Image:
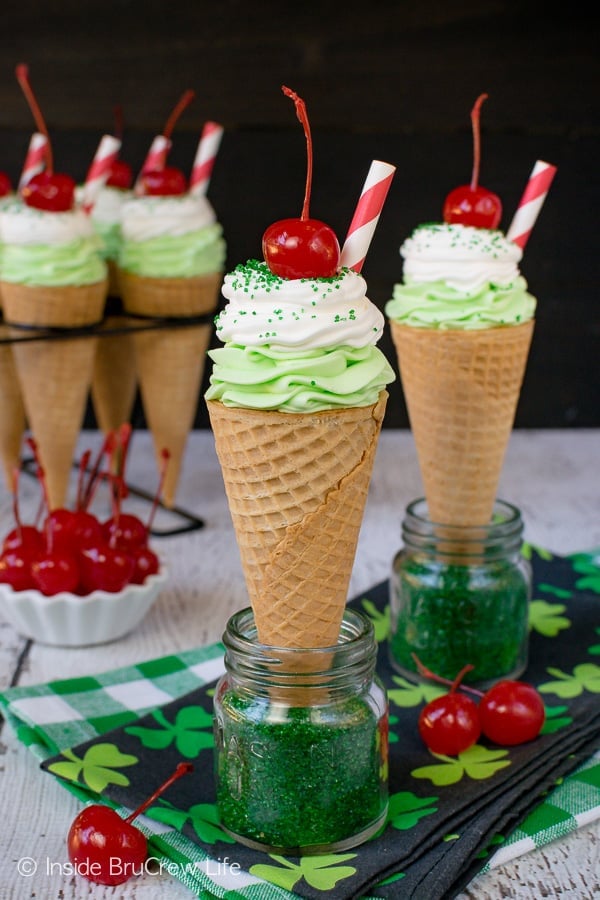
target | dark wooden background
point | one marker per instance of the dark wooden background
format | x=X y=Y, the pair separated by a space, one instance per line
x=388 y=80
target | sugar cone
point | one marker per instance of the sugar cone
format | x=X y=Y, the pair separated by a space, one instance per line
x=170 y=362
x=54 y=375
x=297 y=486
x=12 y=411
x=114 y=377
x=461 y=390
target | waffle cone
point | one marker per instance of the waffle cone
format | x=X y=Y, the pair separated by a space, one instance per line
x=461 y=390
x=297 y=486
x=114 y=377
x=12 y=411
x=170 y=362
x=54 y=375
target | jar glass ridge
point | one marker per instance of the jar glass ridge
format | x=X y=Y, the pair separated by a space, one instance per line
x=301 y=740
x=459 y=595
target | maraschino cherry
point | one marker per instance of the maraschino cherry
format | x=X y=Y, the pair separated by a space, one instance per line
x=107 y=849
x=168 y=181
x=304 y=247
x=20 y=548
x=471 y=204
x=508 y=713
x=5 y=185
x=47 y=190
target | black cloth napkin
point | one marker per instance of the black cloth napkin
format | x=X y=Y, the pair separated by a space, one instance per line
x=445 y=812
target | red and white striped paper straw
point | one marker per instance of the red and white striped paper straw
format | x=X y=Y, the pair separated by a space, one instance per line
x=531 y=203
x=99 y=171
x=366 y=215
x=35 y=160
x=206 y=153
x=156 y=158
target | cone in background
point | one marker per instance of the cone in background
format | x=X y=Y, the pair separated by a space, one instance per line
x=170 y=362
x=296 y=486
x=12 y=411
x=54 y=375
x=461 y=390
x=114 y=377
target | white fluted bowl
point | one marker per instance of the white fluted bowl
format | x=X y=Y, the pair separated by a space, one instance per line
x=68 y=620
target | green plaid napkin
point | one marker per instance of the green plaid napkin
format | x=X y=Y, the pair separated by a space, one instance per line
x=54 y=717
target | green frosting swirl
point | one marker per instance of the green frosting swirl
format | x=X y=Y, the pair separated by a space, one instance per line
x=298 y=382
x=436 y=305
x=181 y=256
x=110 y=236
x=74 y=263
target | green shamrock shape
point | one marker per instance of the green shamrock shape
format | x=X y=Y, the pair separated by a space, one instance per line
x=594 y=650
x=412 y=694
x=555 y=720
x=546 y=619
x=320 y=872
x=406 y=809
x=96 y=767
x=203 y=817
x=380 y=620
x=587 y=566
x=477 y=763
x=527 y=550
x=585 y=677
x=189 y=731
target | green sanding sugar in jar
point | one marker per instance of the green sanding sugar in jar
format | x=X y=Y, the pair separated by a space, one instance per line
x=301 y=757
x=460 y=595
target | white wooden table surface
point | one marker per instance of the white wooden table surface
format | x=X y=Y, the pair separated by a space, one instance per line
x=553 y=476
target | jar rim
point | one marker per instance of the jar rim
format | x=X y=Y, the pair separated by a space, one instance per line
x=503 y=532
x=356 y=648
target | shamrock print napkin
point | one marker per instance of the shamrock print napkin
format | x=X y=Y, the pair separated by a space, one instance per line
x=448 y=817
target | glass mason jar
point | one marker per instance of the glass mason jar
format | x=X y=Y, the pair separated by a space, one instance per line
x=301 y=740
x=459 y=595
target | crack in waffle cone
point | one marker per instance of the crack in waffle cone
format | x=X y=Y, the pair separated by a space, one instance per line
x=297 y=486
x=461 y=390
x=12 y=411
x=54 y=375
x=170 y=363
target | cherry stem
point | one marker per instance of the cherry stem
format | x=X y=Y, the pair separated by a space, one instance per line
x=83 y=464
x=303 y=117
x=427 y=673
x=118 y=117
x=475 y=113
x=15 y=502
x=90 y=489
x=41 y=475
x=22 y=72
x=183 y=102
x=182 y=769
x=165 y=457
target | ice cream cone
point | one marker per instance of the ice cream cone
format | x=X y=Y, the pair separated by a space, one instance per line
x=170 y=362
x=114 y=377
x=54 y=375
x=297 y=486
x=461 y=390
x=12 y=411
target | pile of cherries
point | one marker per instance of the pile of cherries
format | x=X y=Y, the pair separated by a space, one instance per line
x=73 y=551
x=509 y=713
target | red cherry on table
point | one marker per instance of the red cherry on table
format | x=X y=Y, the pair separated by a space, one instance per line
x=50 y=192
x=121 y=175
x=167 y=182
x=107 y=849
x=5 y=185
x=104 y=568
x=511 y=712
x=104 y=847
x=449 y=724
x=470 y=204
x=301 y=248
